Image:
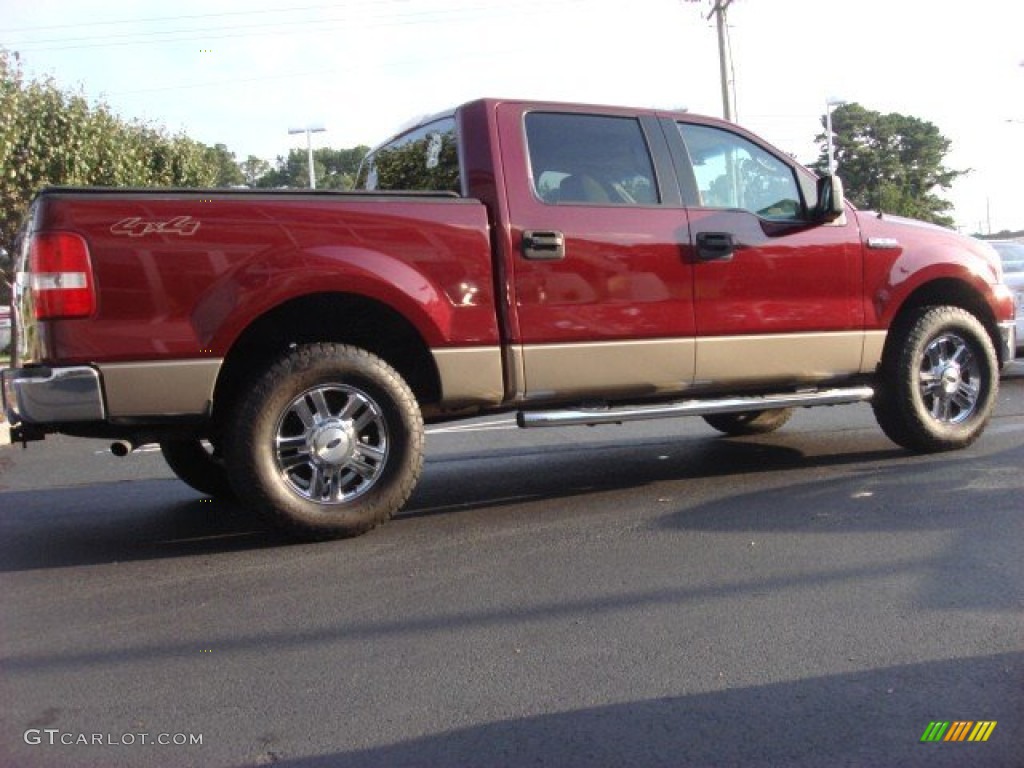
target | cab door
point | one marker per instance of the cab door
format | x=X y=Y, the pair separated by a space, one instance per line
x=777 y=297
x=599 y=279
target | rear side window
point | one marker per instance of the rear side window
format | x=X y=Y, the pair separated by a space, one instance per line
x=590 y=160
x=732 y=172
x=423 y=160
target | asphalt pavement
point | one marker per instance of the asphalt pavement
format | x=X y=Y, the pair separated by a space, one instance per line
x=648 y=595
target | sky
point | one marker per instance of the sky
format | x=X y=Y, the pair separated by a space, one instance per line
x=242 y=73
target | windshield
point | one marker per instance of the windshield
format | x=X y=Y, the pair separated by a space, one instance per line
x=1012 y=256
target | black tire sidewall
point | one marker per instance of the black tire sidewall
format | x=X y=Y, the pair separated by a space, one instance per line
x=194 y=466
x=749 y=422
x=922 y=430
x=252 y=467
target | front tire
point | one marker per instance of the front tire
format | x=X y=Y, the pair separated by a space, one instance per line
x=749 y=422
x=940 y=378
x=327 y=443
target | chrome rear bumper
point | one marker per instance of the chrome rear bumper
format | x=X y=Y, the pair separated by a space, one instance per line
x=52 y=395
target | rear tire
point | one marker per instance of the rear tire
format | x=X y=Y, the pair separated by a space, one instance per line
x=327 y=443
x=939 y=381
x=749 y=422
x=197 y=466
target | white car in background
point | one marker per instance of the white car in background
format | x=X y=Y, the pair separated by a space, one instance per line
x=1011 y=253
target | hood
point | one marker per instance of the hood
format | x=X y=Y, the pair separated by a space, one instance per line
x=923 y=236
x=902 y=220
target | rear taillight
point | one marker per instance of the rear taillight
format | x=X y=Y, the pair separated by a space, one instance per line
x=60 y=276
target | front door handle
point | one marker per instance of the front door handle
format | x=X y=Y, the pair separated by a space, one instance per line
x=546 y=245
x=715 y=246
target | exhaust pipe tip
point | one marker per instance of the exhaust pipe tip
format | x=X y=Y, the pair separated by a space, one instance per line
x=122 y=448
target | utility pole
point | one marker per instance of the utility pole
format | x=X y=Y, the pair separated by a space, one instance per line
x=308 y=130
x=718 y=9
x=724 y=58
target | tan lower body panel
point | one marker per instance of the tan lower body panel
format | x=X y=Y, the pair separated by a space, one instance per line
x=791 y=357
x=474 y=376
x=663 y=366
x=874 y=343
x=604 y=369
x=470 y=376
x=177 y=388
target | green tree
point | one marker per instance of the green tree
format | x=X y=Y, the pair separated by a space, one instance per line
x=229 y=171
x=892 y=163
x=290 y=171
x=430 y=162
x=335 y=168
x=253 y=169
x=339 y=166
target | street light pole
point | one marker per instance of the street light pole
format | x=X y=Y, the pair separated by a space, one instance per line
x=309 y=130
x=829 y=103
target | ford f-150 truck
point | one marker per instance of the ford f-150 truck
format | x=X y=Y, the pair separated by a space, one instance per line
x=578 y=265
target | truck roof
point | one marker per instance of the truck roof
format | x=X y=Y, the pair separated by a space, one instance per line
x=491 y=102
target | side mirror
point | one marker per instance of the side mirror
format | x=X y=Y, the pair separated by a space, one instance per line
x=831 y=202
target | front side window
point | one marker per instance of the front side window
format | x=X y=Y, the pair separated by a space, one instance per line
x=425 y=159
x=732 y=172
x=589 y=159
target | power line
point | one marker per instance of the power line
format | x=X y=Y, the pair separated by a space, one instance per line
x=15 y=30
x=489 y=54
x=320 y=25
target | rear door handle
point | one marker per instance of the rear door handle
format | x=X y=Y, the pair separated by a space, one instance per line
x=543 y=245
x=715 y=246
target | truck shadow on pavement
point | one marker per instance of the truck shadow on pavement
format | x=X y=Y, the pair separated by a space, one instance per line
x=120 y=522
x=149 y=519
x=869 y=718
x=511 y=476
x=960 y=527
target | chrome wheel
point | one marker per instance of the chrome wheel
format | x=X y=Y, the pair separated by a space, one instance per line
x=939 y=380
x=331 y=444
x=950 y=379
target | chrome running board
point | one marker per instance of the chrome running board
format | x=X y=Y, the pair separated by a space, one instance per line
x=594 y=416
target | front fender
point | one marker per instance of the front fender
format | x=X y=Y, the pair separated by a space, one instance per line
x=902 y=259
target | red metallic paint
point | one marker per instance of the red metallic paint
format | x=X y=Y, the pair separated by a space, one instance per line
x=625 y=274
x=169 y=290
x=168 y=296
x=804 y=280
x=924 y=254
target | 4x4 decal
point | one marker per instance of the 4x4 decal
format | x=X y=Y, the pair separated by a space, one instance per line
x=135 y=226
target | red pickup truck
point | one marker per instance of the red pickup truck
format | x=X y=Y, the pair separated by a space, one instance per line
x=574 y=264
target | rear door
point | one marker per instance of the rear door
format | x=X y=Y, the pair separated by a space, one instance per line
x=600 y=282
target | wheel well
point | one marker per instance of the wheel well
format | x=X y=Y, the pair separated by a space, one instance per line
x=331 y=317
x=952 y=293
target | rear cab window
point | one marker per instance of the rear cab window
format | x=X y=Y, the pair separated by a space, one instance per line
x=425 y=159
x=589 y=160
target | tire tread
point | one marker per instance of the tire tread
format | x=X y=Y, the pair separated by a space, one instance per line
x=364 y=513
